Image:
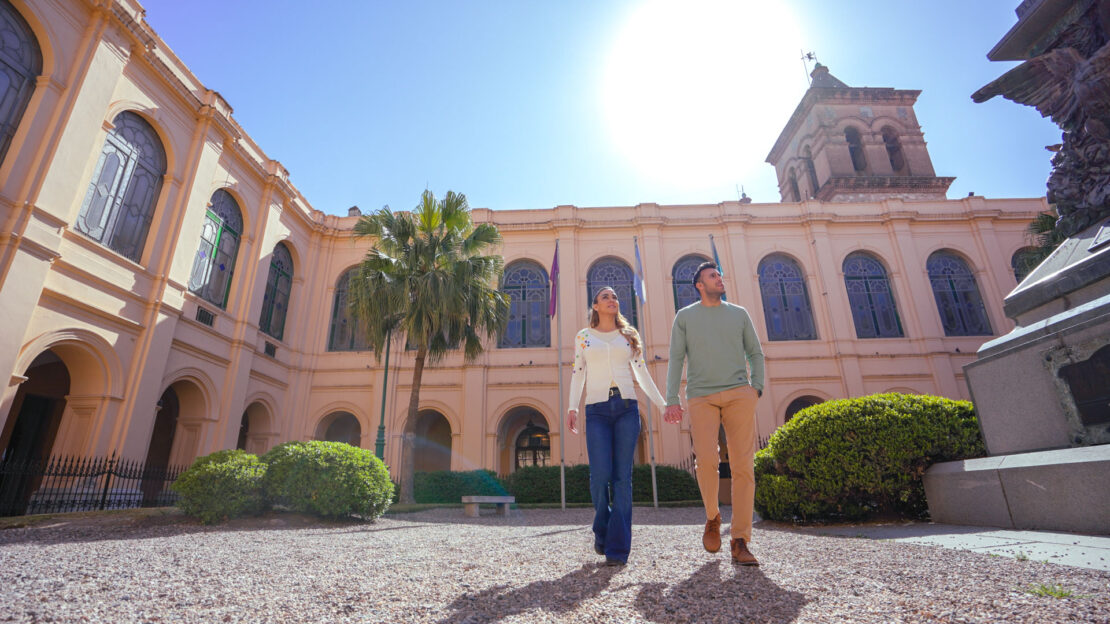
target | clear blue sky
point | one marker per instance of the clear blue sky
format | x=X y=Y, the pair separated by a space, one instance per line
x=533 y=104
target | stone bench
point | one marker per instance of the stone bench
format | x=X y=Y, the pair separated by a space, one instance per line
x=470 y=504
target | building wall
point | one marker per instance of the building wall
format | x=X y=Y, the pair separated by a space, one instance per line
x=126 y=330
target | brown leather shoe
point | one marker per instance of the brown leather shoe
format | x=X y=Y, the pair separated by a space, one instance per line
x=712 y=538
x=740 y=553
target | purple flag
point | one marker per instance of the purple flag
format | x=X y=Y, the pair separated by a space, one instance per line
x=554 y=281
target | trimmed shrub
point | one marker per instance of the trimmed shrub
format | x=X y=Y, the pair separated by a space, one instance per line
x=541 y=484
x=854 y=458
x=445 y=486
x=330 y=479
x=222 y=485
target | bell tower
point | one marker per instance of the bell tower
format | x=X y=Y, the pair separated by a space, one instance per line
x=852 y=144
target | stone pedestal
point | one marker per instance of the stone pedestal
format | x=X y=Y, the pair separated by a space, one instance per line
x=1042 y=395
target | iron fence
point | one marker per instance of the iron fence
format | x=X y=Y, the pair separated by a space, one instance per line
x=690 y=463
x=64 y=484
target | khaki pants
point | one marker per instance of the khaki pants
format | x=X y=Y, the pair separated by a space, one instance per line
x=735 y=409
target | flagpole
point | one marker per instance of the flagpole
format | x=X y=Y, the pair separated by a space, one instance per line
x=651 y=437
x=559 y=374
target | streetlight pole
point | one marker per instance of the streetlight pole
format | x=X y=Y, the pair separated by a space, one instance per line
x=379 y=445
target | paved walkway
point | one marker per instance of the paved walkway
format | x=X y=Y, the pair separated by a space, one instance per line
x=1073 y=549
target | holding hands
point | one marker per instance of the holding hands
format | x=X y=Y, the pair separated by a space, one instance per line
x=673 y=414
x=572 y=421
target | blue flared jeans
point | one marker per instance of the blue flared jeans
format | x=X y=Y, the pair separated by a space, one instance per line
x=612 y=430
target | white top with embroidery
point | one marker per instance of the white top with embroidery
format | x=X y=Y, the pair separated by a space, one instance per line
x=603 y=359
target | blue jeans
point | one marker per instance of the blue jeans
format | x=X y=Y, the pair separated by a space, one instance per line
x=612 y=430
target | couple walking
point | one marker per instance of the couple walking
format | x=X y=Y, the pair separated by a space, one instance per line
x=717 y=342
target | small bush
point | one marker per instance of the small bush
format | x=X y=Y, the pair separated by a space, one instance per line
x=445 y=486
x=541 y=484
x=330 y=479
x=854 y=458
x=222 y=485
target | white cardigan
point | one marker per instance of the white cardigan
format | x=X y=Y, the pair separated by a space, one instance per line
x=604 y=359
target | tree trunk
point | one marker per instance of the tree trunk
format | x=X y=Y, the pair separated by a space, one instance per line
x=408 y=445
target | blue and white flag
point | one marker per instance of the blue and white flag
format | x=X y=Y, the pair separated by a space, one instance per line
x=638 y=280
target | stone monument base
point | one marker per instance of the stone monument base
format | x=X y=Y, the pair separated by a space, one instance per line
x=1058 y=490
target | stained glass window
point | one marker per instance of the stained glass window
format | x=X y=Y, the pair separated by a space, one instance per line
x=346 y=333
x=682 y=278
x=958 y=301
x=275 y=302
x=529 y=298
x=870 y=297
x=119 y=205
x=20 y=64
x=785 y=300
x=219 y=245
x=615 y=274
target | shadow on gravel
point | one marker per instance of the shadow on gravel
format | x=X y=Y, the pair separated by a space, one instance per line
x=557 y=596
x=745 y=595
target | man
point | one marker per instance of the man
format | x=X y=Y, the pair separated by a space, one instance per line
x=718 y=343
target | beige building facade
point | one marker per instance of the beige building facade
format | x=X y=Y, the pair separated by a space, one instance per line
x=165 y=292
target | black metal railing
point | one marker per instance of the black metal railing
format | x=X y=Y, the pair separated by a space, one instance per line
x=690 y=463
x=64 y=484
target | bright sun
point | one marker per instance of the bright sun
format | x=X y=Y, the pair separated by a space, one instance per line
x=688 y=88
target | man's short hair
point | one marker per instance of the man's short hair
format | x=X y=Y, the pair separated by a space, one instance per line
x=701 y=267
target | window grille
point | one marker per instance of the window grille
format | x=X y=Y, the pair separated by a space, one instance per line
x=615 y=274
x=20 y=64
x=871 y=298
x=219 y=244
x=275 y=301
x=682 y=276
x=959 y=304
x=529 y=293
x=270 y=349
x=205 y=316
x=786 y=305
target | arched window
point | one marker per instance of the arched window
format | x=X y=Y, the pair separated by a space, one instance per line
x=529 y=299
x=800 y=404
x=617 y=275
x=275 y=302
x=346 y=333
x=20 y=64
x=855 y=149
x=219 y=245
x=533 y=447
x=894 y=150
x=785 y=300
x=961 y=308
x=811 y=170
x=871 y=298
x=119 y=205
x=682 y=279
x=795 y=192
x=1024 y=261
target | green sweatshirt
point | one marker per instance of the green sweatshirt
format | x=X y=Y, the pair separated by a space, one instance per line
x=718 y=341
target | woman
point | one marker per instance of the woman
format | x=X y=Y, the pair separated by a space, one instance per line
x=607 y=357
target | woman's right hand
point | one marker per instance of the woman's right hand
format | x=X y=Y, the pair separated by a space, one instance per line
x=572 y=420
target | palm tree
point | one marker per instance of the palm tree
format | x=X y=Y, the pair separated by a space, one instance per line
x=427 y=276
x=1045 y=237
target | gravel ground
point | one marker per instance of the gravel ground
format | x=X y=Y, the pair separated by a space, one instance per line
x=533 y=566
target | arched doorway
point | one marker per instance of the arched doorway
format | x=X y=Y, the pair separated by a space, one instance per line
x=523 y=439
x=800 y=404
x=431 y=442
x=340 y=427
x=29 y=436
x=254 y=429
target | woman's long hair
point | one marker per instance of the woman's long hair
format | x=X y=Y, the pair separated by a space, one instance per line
x=623 y=326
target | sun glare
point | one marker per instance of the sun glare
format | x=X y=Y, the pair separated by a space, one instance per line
x=695 y=92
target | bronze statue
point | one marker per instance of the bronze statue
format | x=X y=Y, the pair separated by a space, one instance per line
x=1071 y=85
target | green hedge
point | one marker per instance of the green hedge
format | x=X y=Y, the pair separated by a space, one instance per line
x=855 y=458
x=444 y=486
x=222 y=485
x=541 y=484
x=330 y=479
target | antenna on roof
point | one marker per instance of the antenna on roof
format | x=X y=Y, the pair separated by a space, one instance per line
x=808 y=56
